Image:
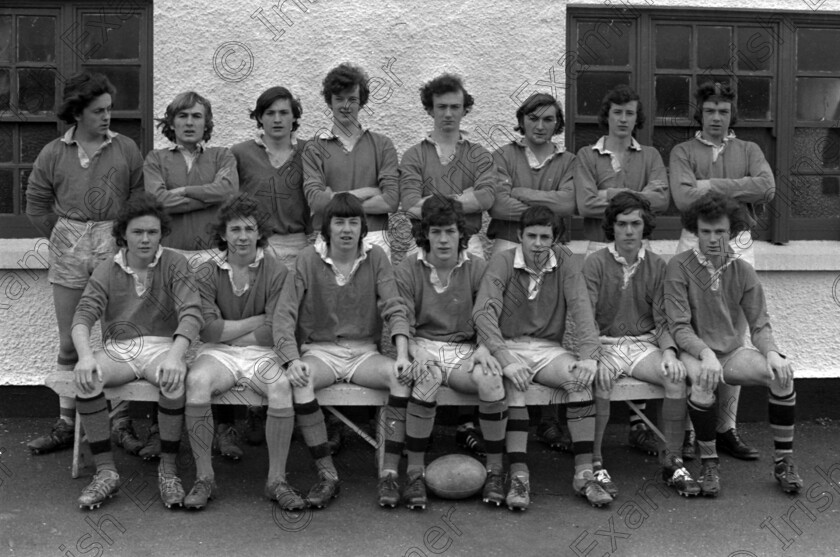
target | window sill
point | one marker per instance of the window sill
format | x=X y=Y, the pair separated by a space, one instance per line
x=812 y=255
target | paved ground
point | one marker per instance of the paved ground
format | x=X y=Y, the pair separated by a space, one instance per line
x=38 y=514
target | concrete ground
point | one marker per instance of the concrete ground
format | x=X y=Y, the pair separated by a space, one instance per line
x=752 y=517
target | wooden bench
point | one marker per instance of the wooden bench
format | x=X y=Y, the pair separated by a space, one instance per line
x=344 y=394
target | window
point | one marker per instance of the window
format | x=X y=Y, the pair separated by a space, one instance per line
x=786 y=71
x=41 y=45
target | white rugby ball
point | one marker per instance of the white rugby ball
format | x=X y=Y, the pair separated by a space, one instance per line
x=455 y=476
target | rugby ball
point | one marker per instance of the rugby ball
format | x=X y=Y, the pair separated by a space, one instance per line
x=455 y=476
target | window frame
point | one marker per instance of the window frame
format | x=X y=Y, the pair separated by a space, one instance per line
x=69 y=31
x=777 y=224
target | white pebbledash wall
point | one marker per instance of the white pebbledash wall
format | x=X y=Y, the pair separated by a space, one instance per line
x=230 y=52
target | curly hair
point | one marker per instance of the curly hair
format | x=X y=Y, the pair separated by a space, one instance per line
x=540 y=215
x=718 y=93
x=144 y=206
x=343 y=205
x=80 y=90
x=621 y=94
x=269 y=97
x=241 y=206
x=533 y=104
x=441 y=211
x=442 y=84
x=343 y=77
x=713 y=206
x=624 y=202
x=181 y=102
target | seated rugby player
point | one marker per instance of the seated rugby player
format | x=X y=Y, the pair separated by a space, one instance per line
x=326 y=328
x=520 y=315
x=706 y=289
x=149 y=307
x=625 y=283
x=439 y=284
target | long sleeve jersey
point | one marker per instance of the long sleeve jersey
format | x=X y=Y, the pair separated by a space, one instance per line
x=59 y=185
x=520 y=186
x=437 y=313
x=643 y=172
x=211 y=180
x=279 y=190
x=503 y=309
x=371 y=163
x=422 y=174
x=169 y=306
x=315 y=308
x=740 y=171
x=704 y=316
x=632 y=309
x=219 y=302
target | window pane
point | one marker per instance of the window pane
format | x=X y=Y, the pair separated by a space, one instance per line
x=129 y=128
x=666 y=137
x=24 y=181
x=36 y=93
x=818 y=99
x=808 y=199
x=816 y=149
x=7 y=192
x=603 y=44
x=36 y=39
x=673 y=45
x=754 y=98
x=585 y=134
x=763 y=138
x=111 y=36
x=755 y=49
x=673 y=96
x=6 y=152
x=713 y=48
x=816 y=49
x=591 y=88
x=127 y=81
x=33 y=137
x=5 y=38
x=5 y=90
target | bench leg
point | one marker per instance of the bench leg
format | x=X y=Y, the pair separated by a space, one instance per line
x=380 y=440
x=77 y=440
x=352 y=426
x=645 y=419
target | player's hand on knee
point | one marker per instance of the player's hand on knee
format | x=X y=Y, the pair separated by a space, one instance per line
x=403 y=370
x=672 y=368
x=781 y=367
x=298 y=373
x=87 y=374
x=488 y=363
x=519 y=375
x=171 y=373
x=586 y=371
x=604 y=378
x=710 y=371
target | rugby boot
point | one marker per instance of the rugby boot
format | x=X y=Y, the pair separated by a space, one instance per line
x=59 y=438
x=104 y=485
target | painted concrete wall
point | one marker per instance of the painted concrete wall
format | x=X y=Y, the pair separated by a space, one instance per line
x=231 y=51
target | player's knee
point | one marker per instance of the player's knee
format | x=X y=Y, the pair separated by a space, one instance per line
x=674 y=390
x=490 y=387
x=198 y=387
x=279 y=392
